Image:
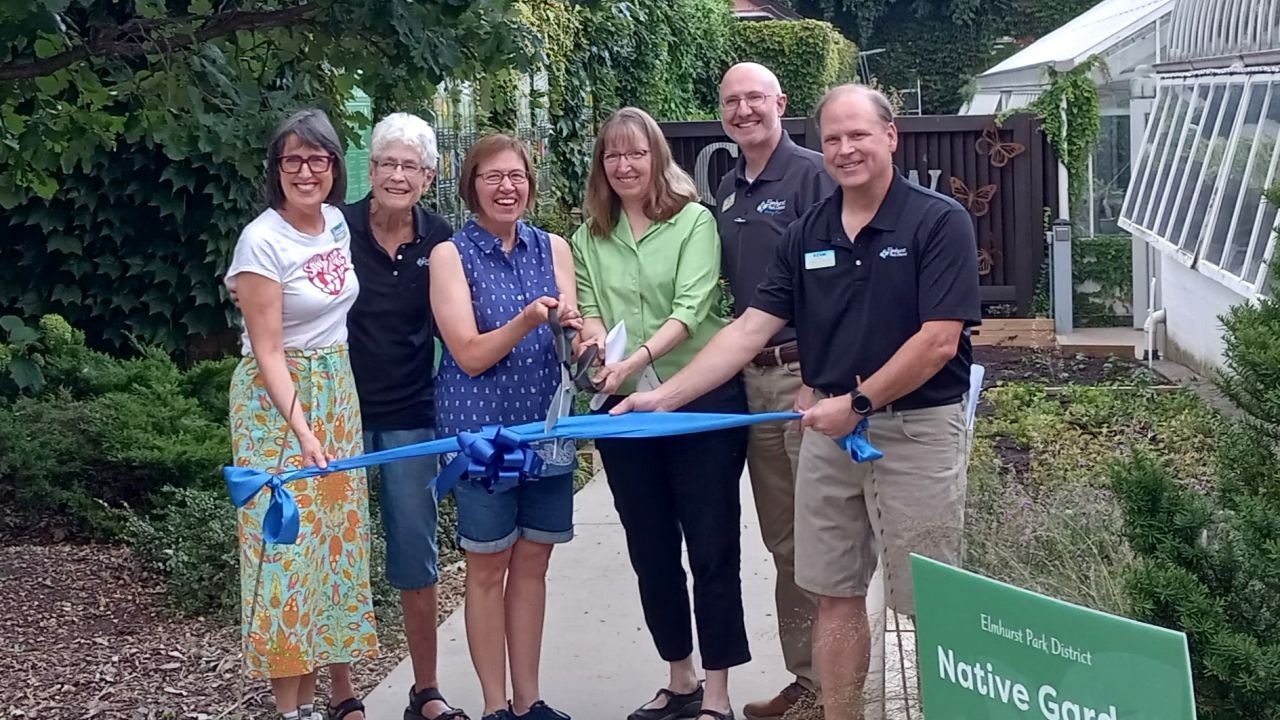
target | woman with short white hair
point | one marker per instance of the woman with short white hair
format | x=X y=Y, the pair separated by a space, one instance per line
x=392 y=355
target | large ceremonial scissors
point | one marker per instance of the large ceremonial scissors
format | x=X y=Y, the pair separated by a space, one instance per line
x=571 y=379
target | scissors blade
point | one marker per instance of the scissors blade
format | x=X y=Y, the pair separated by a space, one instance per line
x=561 y=403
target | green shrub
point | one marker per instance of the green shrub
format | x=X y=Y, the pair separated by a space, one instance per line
x=808 y=56
x=209 y=382
x=1210 y=553
x=191 y=540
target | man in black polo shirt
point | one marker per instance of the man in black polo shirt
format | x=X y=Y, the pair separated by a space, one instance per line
x=881 y=281
x=774 y=182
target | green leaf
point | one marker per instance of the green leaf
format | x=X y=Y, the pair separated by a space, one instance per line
x=22 y=336
x=26 y=374
x=45 y=48
x=66 y=244
x=11 y=322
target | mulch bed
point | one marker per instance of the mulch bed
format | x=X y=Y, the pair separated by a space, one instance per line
x=87 y=634
x=1050 y=366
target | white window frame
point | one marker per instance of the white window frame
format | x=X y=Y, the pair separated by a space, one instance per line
x=1164 y=199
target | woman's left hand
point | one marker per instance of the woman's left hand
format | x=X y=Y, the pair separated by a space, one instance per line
x=611 y=376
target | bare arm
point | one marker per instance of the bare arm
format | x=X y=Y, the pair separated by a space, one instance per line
x=727 y=352
x=261 y=301
x=455 y=317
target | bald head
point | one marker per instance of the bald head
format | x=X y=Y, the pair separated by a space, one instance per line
x=751 y=73
x=871 y=99
x=752 y=105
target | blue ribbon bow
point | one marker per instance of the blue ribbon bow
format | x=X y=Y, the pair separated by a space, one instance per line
x=500 y=458
x=280 y=524
x=497 y=459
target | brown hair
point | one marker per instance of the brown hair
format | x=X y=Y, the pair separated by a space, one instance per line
x=483 y=149
x=670 y=187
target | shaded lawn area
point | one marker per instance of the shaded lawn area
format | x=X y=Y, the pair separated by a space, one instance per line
x=1041 y=514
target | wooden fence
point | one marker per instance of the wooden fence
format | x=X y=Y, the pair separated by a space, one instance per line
x=1007 y=177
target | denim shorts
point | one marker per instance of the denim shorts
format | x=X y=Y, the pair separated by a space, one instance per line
x=408 y=509
x=538 y=510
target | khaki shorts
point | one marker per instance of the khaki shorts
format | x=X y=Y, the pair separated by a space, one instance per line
x=912 y=501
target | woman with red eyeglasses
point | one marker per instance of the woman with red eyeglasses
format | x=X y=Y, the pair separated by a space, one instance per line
x=293 y=404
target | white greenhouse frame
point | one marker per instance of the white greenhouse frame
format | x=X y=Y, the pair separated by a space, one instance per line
x=1196 y=191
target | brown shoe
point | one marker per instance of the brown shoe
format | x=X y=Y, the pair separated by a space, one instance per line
x=776 y=707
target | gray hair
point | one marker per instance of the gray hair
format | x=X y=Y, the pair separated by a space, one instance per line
x=884 y=109
x=312 y=127
x=410 y=130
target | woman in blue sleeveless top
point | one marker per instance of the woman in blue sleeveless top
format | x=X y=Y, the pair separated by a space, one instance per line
x=492 y=287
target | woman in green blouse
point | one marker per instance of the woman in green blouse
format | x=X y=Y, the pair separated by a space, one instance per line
x=649 y=255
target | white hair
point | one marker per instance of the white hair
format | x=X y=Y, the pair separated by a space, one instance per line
x=410 y=130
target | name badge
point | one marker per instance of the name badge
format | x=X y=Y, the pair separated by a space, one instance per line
x=819 y=259
x=728 y=202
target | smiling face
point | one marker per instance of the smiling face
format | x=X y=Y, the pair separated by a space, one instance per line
x=502 y=187
x=398 y=177
x=306 y=188
x=628 y=163
x=857 y=142
x=751 y=105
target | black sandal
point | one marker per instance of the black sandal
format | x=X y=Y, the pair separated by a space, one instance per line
x=418 y=699
x=345 y=708
x=686 y=705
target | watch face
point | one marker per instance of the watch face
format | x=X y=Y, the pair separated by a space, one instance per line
x=862 y=404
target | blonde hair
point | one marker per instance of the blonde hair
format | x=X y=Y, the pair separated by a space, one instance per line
x=670 y=187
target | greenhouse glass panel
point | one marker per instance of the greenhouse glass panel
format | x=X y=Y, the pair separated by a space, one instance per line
x=1185 y=95
x=1203 y=189
x=1181 y=159
x=1253 y=207
x=1244 y=157
x=1176 y=113
x=1158 y=124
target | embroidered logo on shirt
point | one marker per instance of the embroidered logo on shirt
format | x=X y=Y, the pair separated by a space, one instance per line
x=422 y=261
x=328 y=271
x=771 y=207
x=889 y=252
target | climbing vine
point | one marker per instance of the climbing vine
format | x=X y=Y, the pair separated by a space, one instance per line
x=1069 y=114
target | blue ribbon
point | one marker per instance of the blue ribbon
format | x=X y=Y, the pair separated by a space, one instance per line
x=500 y=457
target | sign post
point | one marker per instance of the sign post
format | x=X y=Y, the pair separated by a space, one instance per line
x=991 y=651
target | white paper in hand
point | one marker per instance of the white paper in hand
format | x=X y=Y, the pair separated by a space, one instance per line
x=648 y=380
x=615 y=349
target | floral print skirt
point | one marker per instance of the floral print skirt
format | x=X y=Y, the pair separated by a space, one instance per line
x=310 y=603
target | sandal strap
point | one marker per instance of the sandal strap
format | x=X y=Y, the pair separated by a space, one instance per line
x=345 y=708
x=716 y=714
x=418 y=698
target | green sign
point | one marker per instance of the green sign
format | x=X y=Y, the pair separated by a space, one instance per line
x=357 y=156
x=990 y=651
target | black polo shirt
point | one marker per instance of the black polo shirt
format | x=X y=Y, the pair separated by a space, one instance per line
x=391 y=333
x=856 y=303
x=753 y=215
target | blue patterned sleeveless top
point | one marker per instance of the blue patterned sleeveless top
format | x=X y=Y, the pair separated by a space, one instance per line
x=518 y=389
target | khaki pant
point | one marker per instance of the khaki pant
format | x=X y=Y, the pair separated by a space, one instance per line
x=912 y=501
x=773 y=457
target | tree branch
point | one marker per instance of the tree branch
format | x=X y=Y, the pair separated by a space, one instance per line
x=120 y=43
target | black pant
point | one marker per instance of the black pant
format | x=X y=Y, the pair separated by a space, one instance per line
x=663 y=486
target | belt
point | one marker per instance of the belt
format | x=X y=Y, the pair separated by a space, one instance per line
x=778 y=355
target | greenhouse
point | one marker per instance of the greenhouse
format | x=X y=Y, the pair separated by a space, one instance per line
x=1205 y=161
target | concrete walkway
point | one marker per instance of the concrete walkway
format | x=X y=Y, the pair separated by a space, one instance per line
x=598 y=661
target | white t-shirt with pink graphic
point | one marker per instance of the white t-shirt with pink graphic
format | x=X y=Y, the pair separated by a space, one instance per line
x=314 y=272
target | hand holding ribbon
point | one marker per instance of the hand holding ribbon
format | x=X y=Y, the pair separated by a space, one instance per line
x=501 y=457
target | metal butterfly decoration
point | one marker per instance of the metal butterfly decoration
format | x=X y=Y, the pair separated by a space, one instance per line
x=978 y=201
x=1000 y=153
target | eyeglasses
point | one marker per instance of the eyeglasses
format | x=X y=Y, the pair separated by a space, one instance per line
x=753 y=101
x=613 y=158
x=292 y=164
x=388 y=167
x=494 y=177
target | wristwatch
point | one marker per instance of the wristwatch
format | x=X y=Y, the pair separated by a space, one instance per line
x=861 y=404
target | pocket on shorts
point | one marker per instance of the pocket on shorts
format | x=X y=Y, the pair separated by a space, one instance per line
x=933 y=427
